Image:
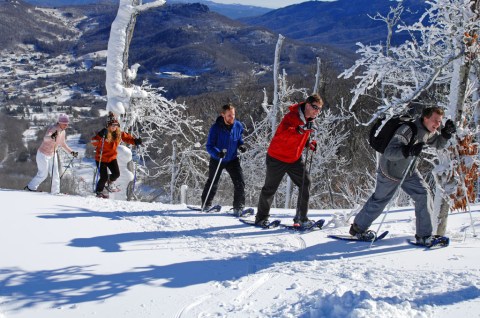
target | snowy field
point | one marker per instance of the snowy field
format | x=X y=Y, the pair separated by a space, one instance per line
x=73 y=256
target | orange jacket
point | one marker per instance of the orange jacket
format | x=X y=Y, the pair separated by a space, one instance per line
x=287 y=144
x=109 y=152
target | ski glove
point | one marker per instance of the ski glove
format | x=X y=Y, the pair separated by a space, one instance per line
x=137 y=141
x=313 y=145
x=74 y=154
x=449 y=129
x=242 y=148
x=221 y=154
x=54 y=135
x=413 y=150
x=103 y=133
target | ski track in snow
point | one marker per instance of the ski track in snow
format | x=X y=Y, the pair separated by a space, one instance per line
x=185 y=311
x=253 y=286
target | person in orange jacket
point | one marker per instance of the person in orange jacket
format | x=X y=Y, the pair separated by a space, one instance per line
x=284 y=155
x=106 y=143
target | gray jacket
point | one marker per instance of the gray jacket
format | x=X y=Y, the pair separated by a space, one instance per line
x=393 y=163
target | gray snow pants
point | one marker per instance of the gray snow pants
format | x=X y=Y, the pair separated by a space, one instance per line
x=414 y=186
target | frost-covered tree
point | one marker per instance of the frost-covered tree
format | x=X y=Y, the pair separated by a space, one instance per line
x=171 y=147
x=433 y=67
x=170 y=150
x=119 y=75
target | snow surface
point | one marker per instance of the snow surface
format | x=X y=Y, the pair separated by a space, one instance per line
x=74 y=256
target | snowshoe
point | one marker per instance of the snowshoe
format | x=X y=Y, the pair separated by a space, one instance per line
x=264 y=224
x=215 y=208
x=307 y=226
x=429 y=242
x=365 y=238
x=242 y=212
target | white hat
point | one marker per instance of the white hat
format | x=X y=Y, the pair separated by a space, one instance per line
x=63 y=119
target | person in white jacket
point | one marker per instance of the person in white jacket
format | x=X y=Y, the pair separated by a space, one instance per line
x=54 y=137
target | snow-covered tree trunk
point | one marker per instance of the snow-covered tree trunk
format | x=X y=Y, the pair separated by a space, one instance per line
x=118 y=75
x=456 y=110
x=274 y=110
x=174 y=171
x=276 y=74
x=317 y=76
x=288 y=193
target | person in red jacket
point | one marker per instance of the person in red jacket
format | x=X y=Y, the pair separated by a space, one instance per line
x=106 y=143
x=284 y=155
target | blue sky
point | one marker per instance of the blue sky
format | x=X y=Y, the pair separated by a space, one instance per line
x=262 y=3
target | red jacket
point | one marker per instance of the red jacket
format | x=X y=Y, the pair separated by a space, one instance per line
x=287 y=144
x=109 y=152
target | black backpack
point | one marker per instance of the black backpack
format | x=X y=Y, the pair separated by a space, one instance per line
x=381 y=140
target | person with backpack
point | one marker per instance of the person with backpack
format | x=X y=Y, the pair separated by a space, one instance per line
x=406 y=144
x=224 y=139
x=46 y=158
x=106 y=142
x=284 y=156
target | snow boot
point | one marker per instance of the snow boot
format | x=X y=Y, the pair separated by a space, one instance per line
x=305 y=223
x=102 y=195
x=262 y=223
x=424 y=240
x=237 y=212
x=367 y=235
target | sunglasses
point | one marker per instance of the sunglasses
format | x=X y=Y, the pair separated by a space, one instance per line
x=115 y=125
x=316 y=107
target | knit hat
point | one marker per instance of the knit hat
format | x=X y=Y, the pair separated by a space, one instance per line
x=63 y=119
x=111 y=119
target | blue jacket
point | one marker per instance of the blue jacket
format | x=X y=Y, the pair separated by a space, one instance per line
x=220 y=137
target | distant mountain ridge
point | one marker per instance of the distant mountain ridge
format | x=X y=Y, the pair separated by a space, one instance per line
x=233 y=11
x=66 y=3
x=340 y=23
x=185 y=48
x=24 y=24
x=191 y=39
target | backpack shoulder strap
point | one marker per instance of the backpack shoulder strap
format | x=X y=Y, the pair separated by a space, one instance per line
x=408 y=131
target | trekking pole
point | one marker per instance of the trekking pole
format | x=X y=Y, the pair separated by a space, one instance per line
x=303 y=178
x=95 y=179
x=53 y=166
x=213 y=180
x=68 y=166
x=407 y=170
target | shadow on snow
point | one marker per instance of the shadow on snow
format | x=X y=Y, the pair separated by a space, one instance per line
x=78 y=284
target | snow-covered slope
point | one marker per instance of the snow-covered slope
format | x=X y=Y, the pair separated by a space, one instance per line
x=72 y=256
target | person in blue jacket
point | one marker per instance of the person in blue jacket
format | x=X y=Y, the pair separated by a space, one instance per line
x=224 y=139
